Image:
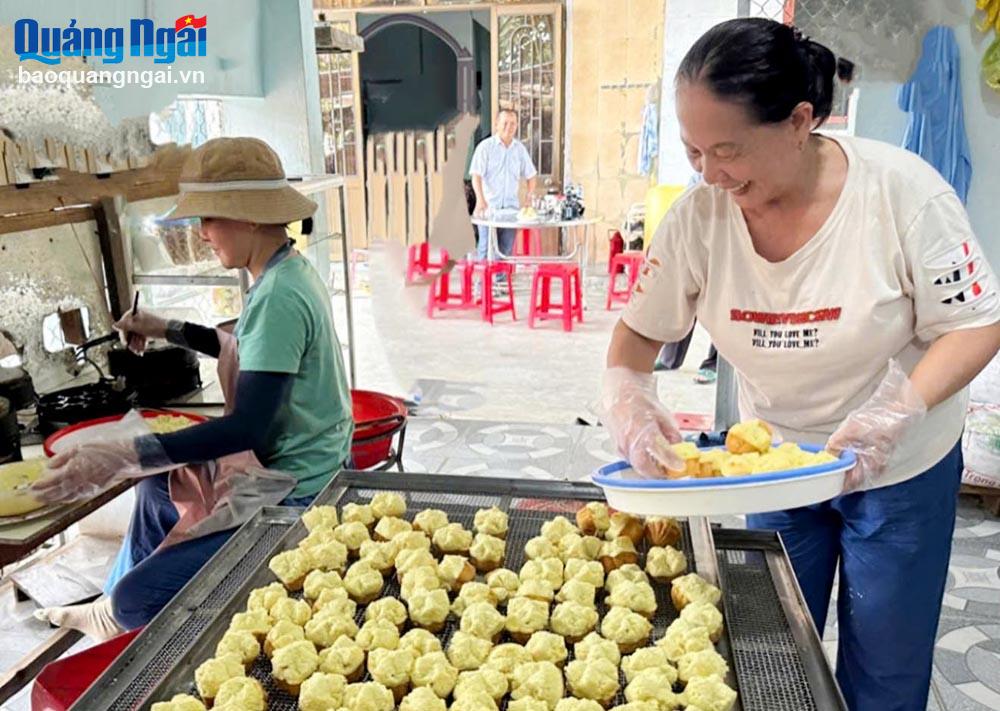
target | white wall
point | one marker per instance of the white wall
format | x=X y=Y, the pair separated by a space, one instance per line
x=879 y=117
x=685 y=21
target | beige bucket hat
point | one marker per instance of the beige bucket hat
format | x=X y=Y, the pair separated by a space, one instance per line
x=238 y=179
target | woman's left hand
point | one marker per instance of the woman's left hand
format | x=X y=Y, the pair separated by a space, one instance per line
x=874 y=430
x=83 y=472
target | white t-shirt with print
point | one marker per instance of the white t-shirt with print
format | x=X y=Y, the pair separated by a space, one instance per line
x=894 y=267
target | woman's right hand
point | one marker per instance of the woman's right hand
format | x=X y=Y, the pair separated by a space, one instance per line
x=136 y=328
x=641 y=427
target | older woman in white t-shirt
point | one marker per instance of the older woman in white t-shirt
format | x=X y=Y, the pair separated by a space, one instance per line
x=841 y=279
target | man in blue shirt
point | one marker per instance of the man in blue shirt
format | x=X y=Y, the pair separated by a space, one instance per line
x=498 y=165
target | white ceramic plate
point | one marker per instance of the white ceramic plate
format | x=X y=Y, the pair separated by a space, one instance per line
x=753 y=493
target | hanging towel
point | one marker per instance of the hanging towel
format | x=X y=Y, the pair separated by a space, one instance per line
x=649 y=133
x=933 y=98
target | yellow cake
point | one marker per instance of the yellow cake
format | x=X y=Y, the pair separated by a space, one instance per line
x=387 y=503
x=540 y=547
x=211 y=674
x=430 y=520
x=322 y=691
x=638 y=597
x=378 y=634
x=556 y=528
x=263 y=598
x=429 y=609
x=625 y=575
x=389 y=526
x=578 y=705
x=693 y=588
x=665 y=564
x=422 y=698
x=482 y=620
x=256 y=622
x=625 y=525
x=503 y=582
x=368 y=696
x=240 y=642
x=380 y=555
x=319 y=580
x=179 y=702
x=388 y=608
x=470 y=593
x=662 y=531
x=391 y=668
x=363 y=582
x=595 y=679
x=328 y=626
x=491 y=521
x=291 y=567
x=682 y=637
x=487 y=552
x=573 y=620
x=408 y=559
x=320 y=517
x=343 y=657
x=653 y=685
x=549 y=569
x=702 y=613
x=335 y=600
x=283 y=633
x=648 y=658
x=297 y=612
x=706 y=662
x=594 y=645
x=489 y=681
x=352 y=534
x=577 y=591
x=749 y=436
x=360 y=513
x=411 y=540
x=618 y=552
x=468 y=652
x=435 y=672
x=505 y=658
x=709 y=693
x=536 y=589
x=587 y=571
x=241 y=693
x=539 y=680
x=628 y=629
x=452 y=539
x=455 y=571
x=16 y=479
x=420 y=641
x=547 y=647
x=594 y=518
x=293 y=664
x=526 y=616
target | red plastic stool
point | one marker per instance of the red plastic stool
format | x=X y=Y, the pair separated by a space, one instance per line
x=529 y=242
x=419 y=263
x=572 y=294
x=632 y=263
x=491 y=306
x=441 y=298
x=63 y=681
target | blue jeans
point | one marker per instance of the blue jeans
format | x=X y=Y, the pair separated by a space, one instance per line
x=893 y=546
x=505 y=240
x=144 y=580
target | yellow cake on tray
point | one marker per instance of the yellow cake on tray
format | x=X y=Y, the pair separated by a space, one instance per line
x=16 y=479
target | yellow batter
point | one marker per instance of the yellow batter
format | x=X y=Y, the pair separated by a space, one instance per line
x=15 y=480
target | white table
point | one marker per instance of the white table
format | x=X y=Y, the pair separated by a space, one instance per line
x=580 y=252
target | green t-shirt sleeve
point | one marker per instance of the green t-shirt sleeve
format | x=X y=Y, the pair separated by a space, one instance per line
x=274 y=334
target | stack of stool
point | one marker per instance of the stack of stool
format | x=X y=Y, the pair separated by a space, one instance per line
x=419 y=263
x=631 y=262
x=571 y=304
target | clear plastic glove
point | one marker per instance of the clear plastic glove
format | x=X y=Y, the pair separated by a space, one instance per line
x=84 y=471
x=641 y=427
x=136 y=328
x=874 y=430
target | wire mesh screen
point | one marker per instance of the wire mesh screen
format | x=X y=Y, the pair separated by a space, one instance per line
x=882 y=37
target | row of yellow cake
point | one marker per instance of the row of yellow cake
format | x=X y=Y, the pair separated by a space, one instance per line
x=318 y=652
